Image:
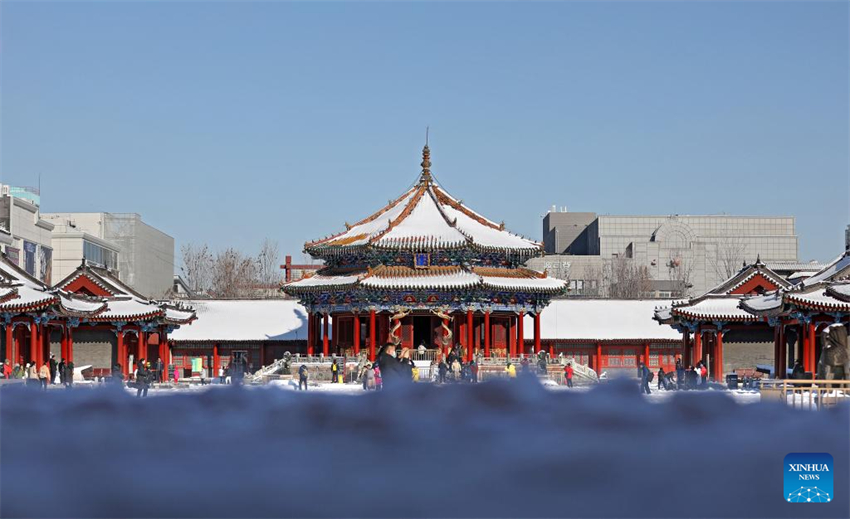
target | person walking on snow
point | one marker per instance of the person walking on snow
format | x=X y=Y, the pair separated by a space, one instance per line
x=645 y=377
x=302 y=377
x=568 y=374
x=69 y=374
x=43 y=375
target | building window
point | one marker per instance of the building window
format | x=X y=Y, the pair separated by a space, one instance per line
x=99 y=255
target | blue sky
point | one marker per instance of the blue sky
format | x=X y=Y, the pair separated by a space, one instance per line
x=230 y=122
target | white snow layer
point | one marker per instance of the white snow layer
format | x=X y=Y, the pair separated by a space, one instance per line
x=491 y=450
x=599 y=319
x=245 y=320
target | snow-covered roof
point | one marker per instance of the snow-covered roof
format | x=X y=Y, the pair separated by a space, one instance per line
x=819 y=299
x=763 y=303
x=79 y=305
x=402 y=278
x=244 y=320
x=602 y=319
x=425 y=218
x=720 y=308
x=432 y=278
x=127 y=309
x=837 y=270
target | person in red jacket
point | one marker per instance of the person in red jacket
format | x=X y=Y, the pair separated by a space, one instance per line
x=568 y=374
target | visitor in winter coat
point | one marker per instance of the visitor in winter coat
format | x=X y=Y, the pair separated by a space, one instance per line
x=510 y=370
x=379 y=380
x=456 y=367
x=703 y=374
x=334 y=372
x=662 y=382
x=368 y=378
x=302 y=378
x=32 y=374
x=443 y=370
x=798 y=371
x=61 y=369
x=680 y=374
x=473 y=372
x=644 y=378
x=69 y=374
x=43 y=375
x=568 y=374
x=160 y=370
x=396 y=369
x=142 y=380
x=7 y=369
x=51 y=366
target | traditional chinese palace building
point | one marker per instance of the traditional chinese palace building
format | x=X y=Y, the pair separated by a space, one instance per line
x=757 y=302
x=90 y=318
x=424 y=269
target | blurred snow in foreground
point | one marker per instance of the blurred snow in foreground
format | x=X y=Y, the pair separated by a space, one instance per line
x=490 y=450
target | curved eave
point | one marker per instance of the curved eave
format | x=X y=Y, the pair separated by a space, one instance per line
x=707 y=316
x=11 y=306
x=127 y=317
x=825 y=306
x=180 y=322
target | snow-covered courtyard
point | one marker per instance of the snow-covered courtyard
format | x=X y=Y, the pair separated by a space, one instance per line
x=498 y=449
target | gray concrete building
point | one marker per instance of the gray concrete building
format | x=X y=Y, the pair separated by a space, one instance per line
x=26 y=237
x=672 y=255
x=142 y=255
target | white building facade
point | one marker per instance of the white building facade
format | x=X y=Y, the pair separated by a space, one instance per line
x=25 y=236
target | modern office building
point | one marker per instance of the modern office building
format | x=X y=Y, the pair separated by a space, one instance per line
x=142 y=256
x=25 y=237
x=671 y=256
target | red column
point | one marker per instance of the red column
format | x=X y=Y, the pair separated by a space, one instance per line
x=537 y=334
x=486 y=334
x=469 y=335
x=216 y=360
x=34 y=349
x=697 y=347
x=646 y=354
x=10 y=344
x=325 y=334
x=311 y=333
x=598 y=359
x=511 y=336
x=373 y=337
x=356 y=334
x=718 y=354
x=143 y=346
x=804 y=329
x=812 y=346
x=520 y=336
x=122 y=358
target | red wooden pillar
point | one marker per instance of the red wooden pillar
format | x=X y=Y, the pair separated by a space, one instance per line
x=325 y=334
x=486 y=333
x=470 y=343
x=646 y=354
x=373 y=335
x=537 y=334
x=10 y=344
x=697 y=346
x=143 y=346
x=356 y=337
x=309 y=333
x=216 y=360
x=510 y=335
x=598 y=359
x=812 y=347
x=718 y=355
x=34 y=349
x=122 y=358
x=520 y=335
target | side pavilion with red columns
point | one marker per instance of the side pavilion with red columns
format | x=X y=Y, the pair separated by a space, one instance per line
x=801 y=314
x=423 y=270
x=717 y=331
x=90 y=318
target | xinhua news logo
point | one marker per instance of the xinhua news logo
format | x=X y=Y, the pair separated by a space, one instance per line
x=808 y=477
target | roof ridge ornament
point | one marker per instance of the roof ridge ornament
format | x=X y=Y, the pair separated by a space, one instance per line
x=425 y=178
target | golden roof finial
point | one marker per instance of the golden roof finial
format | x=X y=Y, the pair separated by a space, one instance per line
x=425 y=178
